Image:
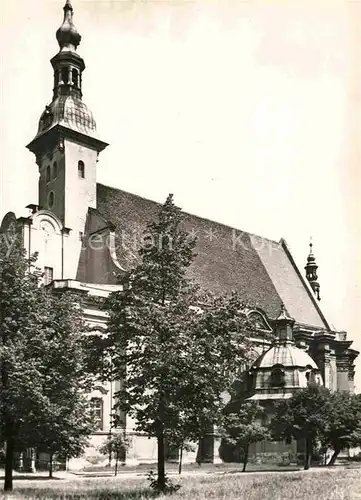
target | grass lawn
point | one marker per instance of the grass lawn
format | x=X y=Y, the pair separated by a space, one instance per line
x=318 y=484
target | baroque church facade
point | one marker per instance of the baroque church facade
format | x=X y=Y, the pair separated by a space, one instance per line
x=87 y=235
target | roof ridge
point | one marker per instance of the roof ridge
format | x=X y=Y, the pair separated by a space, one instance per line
x=195 y=215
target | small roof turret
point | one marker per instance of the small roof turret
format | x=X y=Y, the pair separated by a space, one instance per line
x=311 y=272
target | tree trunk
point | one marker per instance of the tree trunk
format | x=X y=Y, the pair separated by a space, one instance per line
x=180 y=460
x=334 y=456
x=9 y=457
x=116 y=464
x=161 y=460
x=308 y=453
x=51 y=465
x=245 y=460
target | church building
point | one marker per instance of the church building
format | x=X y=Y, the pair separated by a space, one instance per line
x=87 y=235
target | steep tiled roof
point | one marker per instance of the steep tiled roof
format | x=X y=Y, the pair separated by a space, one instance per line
x=261 y=270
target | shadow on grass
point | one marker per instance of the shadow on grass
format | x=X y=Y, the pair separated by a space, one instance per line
x=33 y=478
x=48 y=494
x=239 y=471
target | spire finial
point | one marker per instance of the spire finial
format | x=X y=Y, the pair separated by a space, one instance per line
x=67 y=35
x=311 y=271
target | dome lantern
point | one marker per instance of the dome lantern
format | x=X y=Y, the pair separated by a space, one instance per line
x=284 y=326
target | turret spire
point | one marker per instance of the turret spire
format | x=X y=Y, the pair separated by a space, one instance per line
x=311 y=272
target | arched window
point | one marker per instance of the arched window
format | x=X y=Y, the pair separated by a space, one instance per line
x=48 y=175
x=74 y=77
x=277 y=377
x=96 y=408
x=55 y=170
x=81 y=169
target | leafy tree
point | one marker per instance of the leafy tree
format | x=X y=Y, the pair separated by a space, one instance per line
x=115 y=447
x=302 y=417
x=245 y=427
x=41 y=360
x=67 y=422
x=20 y=392
x=343 y=429
x=175 y=360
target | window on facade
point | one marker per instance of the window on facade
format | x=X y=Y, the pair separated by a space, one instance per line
x=81 y=169
x=96 y=408
x=48 y=275
x=277 y=377
x=55 y=170
x=51 y=198
x=48 y=174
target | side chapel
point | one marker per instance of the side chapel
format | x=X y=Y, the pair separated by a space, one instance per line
x=86 y=235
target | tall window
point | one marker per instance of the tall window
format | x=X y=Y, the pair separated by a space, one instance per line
x=96 y=405
x=48 y=275
x=81 y=169
x=48 y=173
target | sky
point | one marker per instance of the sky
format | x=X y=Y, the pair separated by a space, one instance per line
x=249 y=112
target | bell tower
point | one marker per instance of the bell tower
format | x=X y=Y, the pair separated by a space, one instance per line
x=67 y=145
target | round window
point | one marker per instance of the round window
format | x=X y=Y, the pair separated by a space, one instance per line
x=51 y=199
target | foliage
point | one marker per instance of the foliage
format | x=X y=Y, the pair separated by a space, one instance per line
x=343 y=428
x=175 y=359
x=115 y=447
x=42 y=381
x=245 y=427
x=168 y=488
x=302 y=417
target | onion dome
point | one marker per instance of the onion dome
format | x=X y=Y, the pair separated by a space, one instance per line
x=67 y=35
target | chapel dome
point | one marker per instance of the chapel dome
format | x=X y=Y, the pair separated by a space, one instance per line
x=70 y=112
x=286 y=354
x=283 y=369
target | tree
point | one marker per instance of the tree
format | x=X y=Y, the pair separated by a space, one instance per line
x=343 y=429
x=302 y=417
x=174 y=358
x=19 y=315
x=41 y=359
x=66 y=422
x=245 y=427
x=115 y=447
